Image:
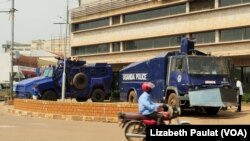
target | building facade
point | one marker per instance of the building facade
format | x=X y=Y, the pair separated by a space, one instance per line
x=20 y=48
x=124 y=31
x=55 y=45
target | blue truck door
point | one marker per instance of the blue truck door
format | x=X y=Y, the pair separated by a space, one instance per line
x=178 y=74
x=156 y=69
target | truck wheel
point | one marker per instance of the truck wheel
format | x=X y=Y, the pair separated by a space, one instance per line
x=132 y=97
x=80 y=81
x=173 y=100
x=49 y=95
x=98 y=95
x=212 y=110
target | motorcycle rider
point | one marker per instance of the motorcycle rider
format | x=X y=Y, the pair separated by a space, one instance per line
x=147 y=107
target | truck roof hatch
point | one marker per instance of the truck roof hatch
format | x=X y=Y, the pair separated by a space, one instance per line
x=187 y=45
x=98 y=65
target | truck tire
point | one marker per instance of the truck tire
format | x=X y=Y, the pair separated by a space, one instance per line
x=98 y=95
x=173 y=100
x=132 y=97
x=80 y=81
x=49 y=95
x=211 y=110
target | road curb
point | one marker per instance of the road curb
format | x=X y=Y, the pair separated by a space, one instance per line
x=62 y=117
x=68 y=110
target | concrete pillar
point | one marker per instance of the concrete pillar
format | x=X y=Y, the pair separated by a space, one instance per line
x=187 y=7
x=121 y=19
x=216 y=4
x=110 y=47
x=121 y=46
x=110 y=21
x=217 y=36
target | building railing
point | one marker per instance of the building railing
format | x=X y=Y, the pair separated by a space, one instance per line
x=101 y=6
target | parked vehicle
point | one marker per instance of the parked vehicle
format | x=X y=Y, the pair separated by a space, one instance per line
x=189 y=78
x=4 y=89
x=18 y=73
x=134 y=124
x=82 y=82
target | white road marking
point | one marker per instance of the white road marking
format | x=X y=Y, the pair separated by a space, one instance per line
x=6 y=126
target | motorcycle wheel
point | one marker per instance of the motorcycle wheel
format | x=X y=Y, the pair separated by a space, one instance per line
x=185 y=123
x=135 y=131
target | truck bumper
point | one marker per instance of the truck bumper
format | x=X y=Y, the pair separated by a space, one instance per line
x=215 y=97
x=23 y=95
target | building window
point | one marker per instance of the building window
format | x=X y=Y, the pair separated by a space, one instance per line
x=235 y=34
x=103 y=48
x=90 y=24
x=244 y=74
x=138 y=44
x=162 y=42
x=116 y=20
x=246 y=79
x=152 y=43
x=116 y=47
x=160 y=12
x=198 y=5
x=175 y=40
x=248 y=33
x=204 y=37
x=232 y=2
x=94 y=49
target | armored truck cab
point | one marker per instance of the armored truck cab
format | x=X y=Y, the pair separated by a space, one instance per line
x=188 y=78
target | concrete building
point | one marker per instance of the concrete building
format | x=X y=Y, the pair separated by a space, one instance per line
x=55 y=45
x=20 y=48
x=124 y=31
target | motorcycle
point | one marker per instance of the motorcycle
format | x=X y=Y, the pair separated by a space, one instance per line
x=135 y=123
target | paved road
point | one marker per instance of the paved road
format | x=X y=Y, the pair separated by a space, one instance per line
x=223 y=117
x=18 y=128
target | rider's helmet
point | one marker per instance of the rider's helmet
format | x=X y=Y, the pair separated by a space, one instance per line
x=147 y=86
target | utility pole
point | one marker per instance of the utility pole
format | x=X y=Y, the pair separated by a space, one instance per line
x=79 y=2
x=12 y=46
x=66 y=44
x=11 y=11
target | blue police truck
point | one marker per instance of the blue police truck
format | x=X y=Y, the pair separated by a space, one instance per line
x=187 y=78
x=83 y=81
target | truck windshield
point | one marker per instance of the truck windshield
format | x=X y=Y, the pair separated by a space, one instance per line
x=48 y=72
x=208 y=65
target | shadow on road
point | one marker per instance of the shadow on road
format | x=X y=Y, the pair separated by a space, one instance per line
x=222 y=114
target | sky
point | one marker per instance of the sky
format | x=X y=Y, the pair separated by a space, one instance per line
x=34 y=19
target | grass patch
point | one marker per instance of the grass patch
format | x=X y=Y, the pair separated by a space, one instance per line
x=246 y=97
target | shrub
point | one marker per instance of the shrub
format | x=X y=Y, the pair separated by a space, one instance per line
x=246 y=97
